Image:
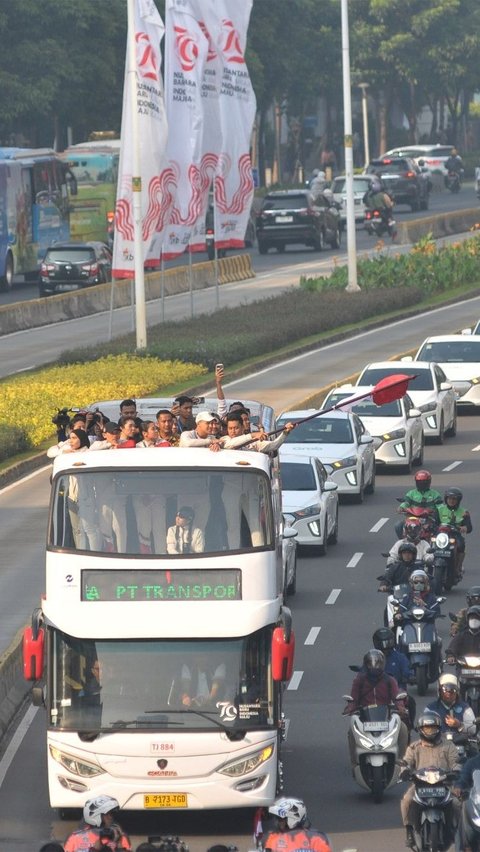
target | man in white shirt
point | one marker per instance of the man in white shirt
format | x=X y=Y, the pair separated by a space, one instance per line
x=202 y=435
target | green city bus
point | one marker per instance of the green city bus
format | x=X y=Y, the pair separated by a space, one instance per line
x=95 y=167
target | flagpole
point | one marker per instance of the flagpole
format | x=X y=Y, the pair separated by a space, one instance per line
x=140 y=313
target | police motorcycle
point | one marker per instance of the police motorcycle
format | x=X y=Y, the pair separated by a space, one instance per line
x=433 y=797
x=418 y=638
x=468 y=833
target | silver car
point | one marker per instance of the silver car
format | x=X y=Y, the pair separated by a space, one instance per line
x=361 y=185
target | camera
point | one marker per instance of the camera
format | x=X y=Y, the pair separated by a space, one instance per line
x=61 y=418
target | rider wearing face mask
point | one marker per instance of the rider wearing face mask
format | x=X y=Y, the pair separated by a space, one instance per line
x=457 y=716
x=468 y=641
x=460 y=622
x=452 y=512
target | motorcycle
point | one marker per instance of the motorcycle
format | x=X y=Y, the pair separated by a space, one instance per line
x=433 y=831
x=167 y=844
x=379 y=222
x=424 y=514
x=375 y=730
x=444 y=546
x=418 y=639
x=468 y=673
x=453 y=181
x=468 y=833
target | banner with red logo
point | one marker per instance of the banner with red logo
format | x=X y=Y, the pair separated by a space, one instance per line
x=157 y=192
x=237 y=106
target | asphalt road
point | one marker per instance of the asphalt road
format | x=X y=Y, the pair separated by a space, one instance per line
x=336 y=599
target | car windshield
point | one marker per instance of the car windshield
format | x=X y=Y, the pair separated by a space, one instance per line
x=450 y=351
x=320 y=430
x=423 y=378
x=297 y=477
x=70 y=255
x=367 y=408
x=359 y=185
x=287 y=202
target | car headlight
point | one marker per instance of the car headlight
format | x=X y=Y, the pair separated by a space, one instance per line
x=429 y=406
x=75 y=765
x=349 y=461
x=393 y=436
x=307 y=512
x=476 y=380
x=247 y=764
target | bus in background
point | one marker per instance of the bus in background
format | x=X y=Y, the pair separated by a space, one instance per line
x=95 y=167
x=163 y=634
x=35 y=190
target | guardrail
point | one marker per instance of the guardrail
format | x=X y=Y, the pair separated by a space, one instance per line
x=80 y=303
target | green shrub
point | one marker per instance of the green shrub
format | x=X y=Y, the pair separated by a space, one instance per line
x=13 y=440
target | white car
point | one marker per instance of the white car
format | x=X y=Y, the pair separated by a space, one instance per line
x=341 y=443
x=434 y=157
x=310 y=500
x=430 y=392
x=289 y=556
x=361 y=184
x=396 y=426
x=459 y=357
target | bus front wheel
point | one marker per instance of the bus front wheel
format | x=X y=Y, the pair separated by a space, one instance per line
x=6 y=281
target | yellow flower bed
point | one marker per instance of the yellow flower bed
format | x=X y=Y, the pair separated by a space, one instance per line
x=29 y=401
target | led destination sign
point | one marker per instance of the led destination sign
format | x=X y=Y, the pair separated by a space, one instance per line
x=161 y=585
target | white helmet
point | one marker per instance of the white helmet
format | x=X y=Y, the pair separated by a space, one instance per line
x=293 y=810
x=94 y=809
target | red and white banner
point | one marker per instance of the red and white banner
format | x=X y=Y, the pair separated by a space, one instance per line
x=237 y=105
x=158 y=185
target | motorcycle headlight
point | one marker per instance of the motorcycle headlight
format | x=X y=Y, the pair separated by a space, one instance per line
x=442 y=540
x=389 y=740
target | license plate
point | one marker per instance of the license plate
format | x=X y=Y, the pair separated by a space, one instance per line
x=375 y=726
x=471 y=672
x=165 y=800
x=432 y=791
x=420 y=646
x=283 y=218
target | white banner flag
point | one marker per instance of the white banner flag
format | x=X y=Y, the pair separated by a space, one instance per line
x=157 y=194
x=237 y=104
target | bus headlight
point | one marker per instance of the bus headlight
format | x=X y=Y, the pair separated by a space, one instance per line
x=74 y=765
x=247 y=764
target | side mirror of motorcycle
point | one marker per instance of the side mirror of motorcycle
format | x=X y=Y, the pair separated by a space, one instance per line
x=384 y=556
x=401 y=695
x=354 y=669
x=453 y=617
x=441 y=600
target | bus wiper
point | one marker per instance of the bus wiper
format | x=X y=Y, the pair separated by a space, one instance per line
x=232 y=734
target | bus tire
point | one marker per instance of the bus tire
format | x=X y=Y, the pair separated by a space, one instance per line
x=6 y=281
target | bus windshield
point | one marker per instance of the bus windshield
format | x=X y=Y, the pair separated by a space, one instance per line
x=91 y=168
x=135 y=685
x=166 y=513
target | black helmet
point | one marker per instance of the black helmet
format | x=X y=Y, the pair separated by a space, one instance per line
x=473 y=619
x=455 y=493
x=374 y=662
x=383 y=639
x=408 y=547
x=423 y=480
x=429 y=726
x=412 y=529
x=473 y=596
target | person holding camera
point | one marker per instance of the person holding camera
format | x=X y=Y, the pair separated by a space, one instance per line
x=99 y=830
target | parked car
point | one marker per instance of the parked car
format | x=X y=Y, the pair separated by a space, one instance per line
x=309 y=500
x=403 y=179
x=396 y=426
x=361 y=184
x=343 y=445
x=429 y=390
x=72 y=266
x=459 y=357
x=431 y=157
x=289 y=216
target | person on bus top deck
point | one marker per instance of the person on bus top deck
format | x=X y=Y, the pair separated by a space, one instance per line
x=165 y=424
x=293 y=829
x=99 y=830
x=203 y=434
x=182 y=411
x=235 y=439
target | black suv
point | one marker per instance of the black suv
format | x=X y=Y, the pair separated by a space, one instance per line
x=403 y=179
x=70 y=266
x=290 y=216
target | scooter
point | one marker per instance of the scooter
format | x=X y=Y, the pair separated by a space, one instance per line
x=378 y=222
x=418 y=639
x=425 y=515
x=453 y=181
x=468 y=673
x=444 y=546
x=468 y=832
x=434 y=830
x=375 y=730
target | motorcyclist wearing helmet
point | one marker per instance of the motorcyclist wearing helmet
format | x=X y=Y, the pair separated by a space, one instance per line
x=454 y=163
x=453 y=513
x=432 y=749
x=420 y=595
x=459 y=621
x=423 y=496
x=396 y=665
x=377 y=198
x=412 y=532
x=293 y=831
x=468 y=641
x=457 y=716
x=99 y=830
x=317 y=184
x=399 y=571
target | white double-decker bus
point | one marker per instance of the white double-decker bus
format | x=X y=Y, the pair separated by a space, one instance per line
x=163 y=671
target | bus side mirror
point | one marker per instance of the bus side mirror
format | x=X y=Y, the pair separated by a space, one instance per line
x=33 y=652
x=282 y=654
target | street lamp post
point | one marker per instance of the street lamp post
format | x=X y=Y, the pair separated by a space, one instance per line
x=366 y=146
x=352 y=285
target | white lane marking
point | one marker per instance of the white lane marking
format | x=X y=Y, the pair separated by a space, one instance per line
x=476 y=449
x=452 y=466
x=295 y=680
x=312 y=635
x=354 y=561
x=24 y=479
x=378 y=526
x=16 y=742
x=333 y=596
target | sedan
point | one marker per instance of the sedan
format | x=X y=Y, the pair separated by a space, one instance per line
x=342 y=444
x=430 y=157
x=361 y=185
x=310 y=500
x=429 y=390
x=396 y=426
x=459 y=357
x=72 y=266
x=290 y=216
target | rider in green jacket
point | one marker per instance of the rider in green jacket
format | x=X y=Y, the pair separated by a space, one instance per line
x=451 y=512
x=422 y=495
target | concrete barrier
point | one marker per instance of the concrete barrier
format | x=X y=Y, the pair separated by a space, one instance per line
x=79 y=303
x=13 y=688
x=440 y=225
